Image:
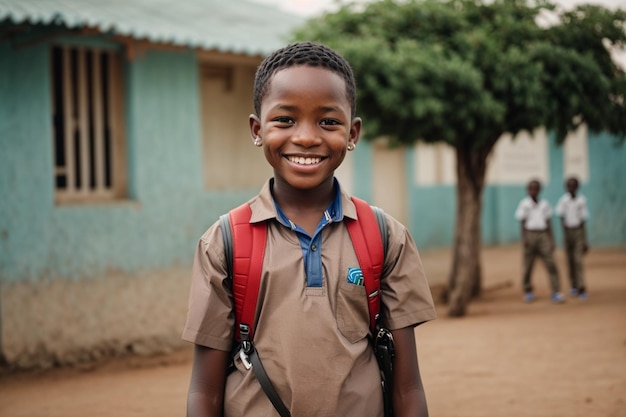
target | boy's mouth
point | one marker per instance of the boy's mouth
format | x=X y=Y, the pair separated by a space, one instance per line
x=301 y=160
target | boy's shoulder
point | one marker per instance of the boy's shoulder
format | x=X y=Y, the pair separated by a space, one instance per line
x=564 y=199
x=568 y=197
x=544 y=202
x=262 y=205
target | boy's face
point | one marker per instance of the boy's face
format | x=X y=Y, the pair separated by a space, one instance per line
x=572 y=186
x=305 y=125
x=533 y=189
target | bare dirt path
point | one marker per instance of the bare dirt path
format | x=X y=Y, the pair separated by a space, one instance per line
x=506 y=358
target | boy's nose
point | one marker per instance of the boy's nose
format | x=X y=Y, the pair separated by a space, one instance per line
x=306 y=135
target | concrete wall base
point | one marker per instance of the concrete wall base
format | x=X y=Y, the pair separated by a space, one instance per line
x=61 y=322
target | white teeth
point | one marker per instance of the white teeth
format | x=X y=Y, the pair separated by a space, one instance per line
x=304 y=161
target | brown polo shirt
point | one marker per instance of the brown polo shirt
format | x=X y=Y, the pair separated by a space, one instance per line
x=312 y=341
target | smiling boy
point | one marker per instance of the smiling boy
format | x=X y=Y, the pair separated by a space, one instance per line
x=312 y=330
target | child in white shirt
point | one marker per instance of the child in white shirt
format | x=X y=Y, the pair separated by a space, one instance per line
x=572 y=209
x=537 y=239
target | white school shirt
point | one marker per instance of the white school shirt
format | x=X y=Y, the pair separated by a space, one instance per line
x=573 y=210
x=536 y=214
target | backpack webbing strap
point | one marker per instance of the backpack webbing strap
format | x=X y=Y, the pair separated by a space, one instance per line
x=248 y=255
x=266 y=384
x=246 y=265
x=366 y=236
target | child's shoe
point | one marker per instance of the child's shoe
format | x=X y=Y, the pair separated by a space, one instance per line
x=529 y=297
x=557 y=298
x=583 y=296
x=573 y=292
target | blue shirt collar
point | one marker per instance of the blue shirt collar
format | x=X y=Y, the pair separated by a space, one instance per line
x=332 y=214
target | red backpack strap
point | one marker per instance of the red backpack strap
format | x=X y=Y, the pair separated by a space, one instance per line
x=248 y=252
x=365 y=233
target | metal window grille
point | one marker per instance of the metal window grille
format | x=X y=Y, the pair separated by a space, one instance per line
x=88 y=143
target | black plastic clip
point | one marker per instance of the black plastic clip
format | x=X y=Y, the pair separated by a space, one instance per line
x=246 y=345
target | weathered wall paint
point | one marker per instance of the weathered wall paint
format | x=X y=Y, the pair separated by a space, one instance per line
x=606 y=191
x=362 y=166
x=167 y=208
x=106 y=268
x=432 y=208
x=25 y=162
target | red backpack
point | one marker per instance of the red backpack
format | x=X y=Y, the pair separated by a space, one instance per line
x=244 y=245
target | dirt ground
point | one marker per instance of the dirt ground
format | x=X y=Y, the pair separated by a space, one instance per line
x=505 y=358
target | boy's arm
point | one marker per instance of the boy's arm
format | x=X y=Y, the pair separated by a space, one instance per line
x=409 y=398
x=208 y=379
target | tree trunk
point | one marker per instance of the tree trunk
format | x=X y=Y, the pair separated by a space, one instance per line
x=465 y=275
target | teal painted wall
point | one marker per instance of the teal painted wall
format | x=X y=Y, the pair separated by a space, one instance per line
x=606 y=192
x=167 y=209
x=362 y=168
x=604 y=188
x=432 y=209
x=26 y=224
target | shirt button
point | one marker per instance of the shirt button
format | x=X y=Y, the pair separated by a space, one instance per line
x=313 y=248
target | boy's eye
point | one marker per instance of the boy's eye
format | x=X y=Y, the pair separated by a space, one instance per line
x=283 y=120
x=329 y=122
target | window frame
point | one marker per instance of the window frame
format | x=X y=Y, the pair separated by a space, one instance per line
x=91 y=166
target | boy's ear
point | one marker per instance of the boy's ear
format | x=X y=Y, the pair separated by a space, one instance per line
x=355 y=131
x=255 y=129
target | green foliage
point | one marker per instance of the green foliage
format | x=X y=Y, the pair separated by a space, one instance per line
x=466 y=71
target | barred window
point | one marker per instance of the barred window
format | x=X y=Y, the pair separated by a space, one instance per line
x=89 y=151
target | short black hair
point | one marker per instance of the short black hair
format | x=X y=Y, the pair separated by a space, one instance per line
x=303 y=53
x=533 y=181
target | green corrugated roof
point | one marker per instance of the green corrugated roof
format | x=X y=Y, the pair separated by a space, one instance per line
x=236 y=26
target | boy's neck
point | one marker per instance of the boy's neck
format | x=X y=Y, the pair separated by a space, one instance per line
x=573 y=194
x=304 y=207
x=311 y=200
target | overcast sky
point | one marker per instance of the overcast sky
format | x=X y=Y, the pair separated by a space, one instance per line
x=312 y=7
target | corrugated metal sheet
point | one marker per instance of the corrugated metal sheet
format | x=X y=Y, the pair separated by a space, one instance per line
x=236 y=26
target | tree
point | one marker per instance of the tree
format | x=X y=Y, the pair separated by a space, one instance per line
x=464 y=72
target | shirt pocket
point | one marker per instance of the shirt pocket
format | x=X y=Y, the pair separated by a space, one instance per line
x=352 y=311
